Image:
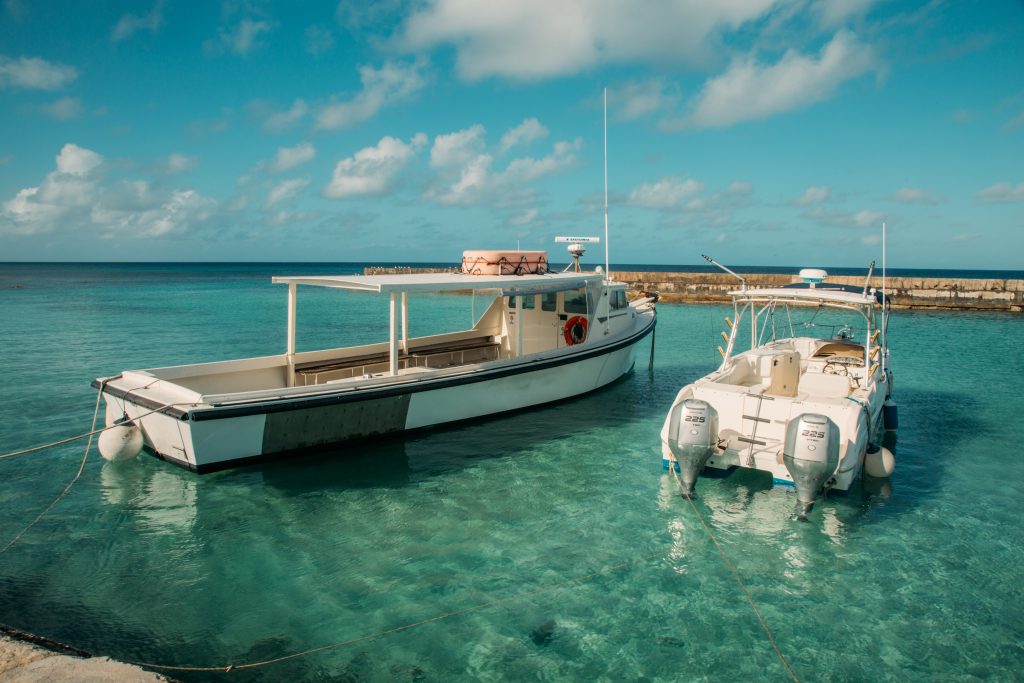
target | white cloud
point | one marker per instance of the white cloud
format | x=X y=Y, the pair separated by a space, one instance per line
x=290 y=157
x=834 y=13
x=458 y=148
x=74 y=198
x=636 y=99
x=149 y=213
x=524 y=218
x=319 y=40
x=531 y=39
x=242 y=38
x=77 y=161
x=64 y=109
x=910 y=195
x=739 y=188
x=665 y=193
x=1014 y=123
x=372 y=170
x=178 y=163
x=563 y=155
x=284 y=191
x=129 y=24
x=391 y=83
x=846 y=219
x=464 y=173
x=816 y=194
x=749 y=91
x=282 y=120
x=34 y=73
x=1001 y=193
x=526 y=132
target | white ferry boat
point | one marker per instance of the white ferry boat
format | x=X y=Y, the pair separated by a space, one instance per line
x=543 y=337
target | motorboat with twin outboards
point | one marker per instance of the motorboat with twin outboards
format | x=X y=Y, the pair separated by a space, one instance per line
x=808 y=401
x=542 y=337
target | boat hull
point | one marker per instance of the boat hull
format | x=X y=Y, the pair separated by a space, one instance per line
x=206 y=439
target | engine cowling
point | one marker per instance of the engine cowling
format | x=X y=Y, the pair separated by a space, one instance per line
x=692 y=435
x=811 y=454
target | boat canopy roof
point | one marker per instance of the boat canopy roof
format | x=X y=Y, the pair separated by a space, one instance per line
x=447 y=282
x=823 y=293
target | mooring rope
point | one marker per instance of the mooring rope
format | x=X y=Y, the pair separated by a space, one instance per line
x=92 y=432
x=227 y=668
x=81 y=468
x=735 y=573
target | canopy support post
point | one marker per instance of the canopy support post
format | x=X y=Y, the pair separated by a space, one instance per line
x=290 y=353
x=405 y=322
x=519 y=325
x=393 y=338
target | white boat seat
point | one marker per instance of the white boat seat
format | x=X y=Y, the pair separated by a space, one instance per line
x=829 y=386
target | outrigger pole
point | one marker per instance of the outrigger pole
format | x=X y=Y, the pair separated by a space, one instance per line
x=743 y=282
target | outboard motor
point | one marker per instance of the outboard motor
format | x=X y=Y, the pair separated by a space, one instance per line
x=692 y=435
x=811 y=455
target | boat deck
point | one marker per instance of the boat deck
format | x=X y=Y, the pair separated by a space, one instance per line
x=430 y=356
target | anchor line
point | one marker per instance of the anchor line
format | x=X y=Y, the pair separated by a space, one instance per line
x=227 y=668
x=81 y=466
x=93 y=431
x=739 y=579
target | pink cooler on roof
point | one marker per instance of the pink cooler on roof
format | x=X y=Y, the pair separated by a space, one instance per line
x=483 y=262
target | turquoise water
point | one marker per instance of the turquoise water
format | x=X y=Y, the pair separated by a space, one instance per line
x=552 y=537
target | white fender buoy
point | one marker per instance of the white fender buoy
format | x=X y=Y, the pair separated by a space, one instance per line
x=879 y=464
x=122 y=441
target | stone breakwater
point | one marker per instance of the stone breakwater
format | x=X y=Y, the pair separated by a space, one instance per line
x=909 y=293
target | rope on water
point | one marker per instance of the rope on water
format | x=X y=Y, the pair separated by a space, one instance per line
x=81 y=468
x=736 y=575
x=227 y=668
x=93 y=431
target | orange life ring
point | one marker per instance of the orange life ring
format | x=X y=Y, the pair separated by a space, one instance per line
x=575 y=330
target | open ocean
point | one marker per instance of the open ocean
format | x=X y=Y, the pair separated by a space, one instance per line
x=547 y=544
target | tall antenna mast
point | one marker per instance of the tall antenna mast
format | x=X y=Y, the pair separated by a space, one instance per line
x=607 y=271
x=885 y=317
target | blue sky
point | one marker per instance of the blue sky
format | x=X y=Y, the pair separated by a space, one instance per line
x=774 y=132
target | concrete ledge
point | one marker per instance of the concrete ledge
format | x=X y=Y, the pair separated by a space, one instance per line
x=28 y=659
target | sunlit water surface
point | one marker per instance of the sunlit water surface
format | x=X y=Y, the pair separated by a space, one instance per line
x=543 y=545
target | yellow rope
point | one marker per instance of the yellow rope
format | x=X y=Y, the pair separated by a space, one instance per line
x=81 y=468
x=90 y=433
x=448 y=615
x=735 y=573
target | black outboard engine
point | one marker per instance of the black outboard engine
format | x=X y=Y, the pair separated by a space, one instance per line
x=692 y=435
x=811 y=455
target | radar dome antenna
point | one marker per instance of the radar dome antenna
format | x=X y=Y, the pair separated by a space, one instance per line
x=576 y=249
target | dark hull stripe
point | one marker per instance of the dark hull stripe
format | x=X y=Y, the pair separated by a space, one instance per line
x=299 y=403
x=322 y=448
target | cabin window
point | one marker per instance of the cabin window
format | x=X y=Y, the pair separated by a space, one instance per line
x=576 y=301
x=618 y=300
x=528 y=302
x=549 y=301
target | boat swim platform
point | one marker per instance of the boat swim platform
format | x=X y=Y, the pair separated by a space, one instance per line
x=904 y=293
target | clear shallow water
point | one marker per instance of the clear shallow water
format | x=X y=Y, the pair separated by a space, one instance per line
x=147 y=562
